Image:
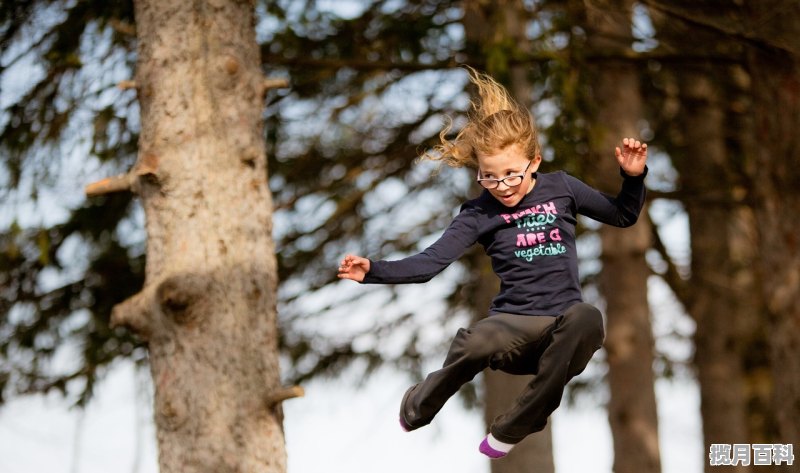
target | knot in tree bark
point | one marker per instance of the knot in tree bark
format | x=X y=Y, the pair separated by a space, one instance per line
x=178 y=294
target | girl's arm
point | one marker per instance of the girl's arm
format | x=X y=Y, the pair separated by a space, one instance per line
x=458 y=237
x=622 y=210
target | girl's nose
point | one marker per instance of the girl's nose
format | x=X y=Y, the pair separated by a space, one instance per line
x=503 y=185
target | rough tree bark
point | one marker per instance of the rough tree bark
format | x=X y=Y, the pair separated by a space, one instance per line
x=207 y=309
x=774 y=64
x=768 y=32
x=629 y=342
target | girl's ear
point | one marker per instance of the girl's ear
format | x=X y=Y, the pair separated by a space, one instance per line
x=535 y=162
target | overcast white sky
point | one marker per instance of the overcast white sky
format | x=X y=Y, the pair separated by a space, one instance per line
x=334 y=428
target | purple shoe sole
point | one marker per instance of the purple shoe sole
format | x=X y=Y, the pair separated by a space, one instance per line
x=404 y=426
x=487 y=450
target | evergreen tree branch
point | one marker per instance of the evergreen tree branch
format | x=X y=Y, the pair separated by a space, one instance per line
x=126 y=84
x=272 y=83
x=119 y=183
x=528 y=59
x=745 y=33
x=282 y=394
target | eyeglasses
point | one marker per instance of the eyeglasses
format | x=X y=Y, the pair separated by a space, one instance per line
x=511 y=181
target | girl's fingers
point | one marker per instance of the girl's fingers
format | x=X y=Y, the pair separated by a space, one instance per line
x=349 y=261
x=632 y=145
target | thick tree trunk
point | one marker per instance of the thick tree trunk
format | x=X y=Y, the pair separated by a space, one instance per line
x=779 y=229
x=775 y=73
x=208 y=305
x=722 y=294
x=731 y=358
x=723 y=299
x=623 y=281
x=498 y=28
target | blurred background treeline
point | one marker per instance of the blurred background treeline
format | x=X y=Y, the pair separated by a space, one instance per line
x=713 y=86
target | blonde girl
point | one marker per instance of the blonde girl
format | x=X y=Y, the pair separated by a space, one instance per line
x=525 y=221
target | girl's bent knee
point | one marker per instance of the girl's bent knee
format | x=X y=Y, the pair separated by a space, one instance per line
x=587 y=320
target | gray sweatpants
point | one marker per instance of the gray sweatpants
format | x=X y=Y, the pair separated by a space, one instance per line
x=555 y=349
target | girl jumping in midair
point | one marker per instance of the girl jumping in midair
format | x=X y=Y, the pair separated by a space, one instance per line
x=525 y=220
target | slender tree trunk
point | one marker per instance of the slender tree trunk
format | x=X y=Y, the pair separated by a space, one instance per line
x=208 y=305
x=752 y=326
x=718 y=310
x=623 y=281
x=498 y=29
x=535 y=453
x=501 y=390
x=629 y=344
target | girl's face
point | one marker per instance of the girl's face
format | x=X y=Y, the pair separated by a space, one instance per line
x=508 y=163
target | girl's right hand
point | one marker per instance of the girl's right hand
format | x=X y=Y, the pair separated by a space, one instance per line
x=353 y=267
x=633 y=156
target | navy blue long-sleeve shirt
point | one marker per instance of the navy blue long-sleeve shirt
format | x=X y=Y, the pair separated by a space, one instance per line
x=531 y=245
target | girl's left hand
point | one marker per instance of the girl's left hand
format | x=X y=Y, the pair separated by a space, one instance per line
x=632 y=157
x=354 y=267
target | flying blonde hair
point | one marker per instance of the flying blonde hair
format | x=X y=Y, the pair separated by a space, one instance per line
x=496 y=121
